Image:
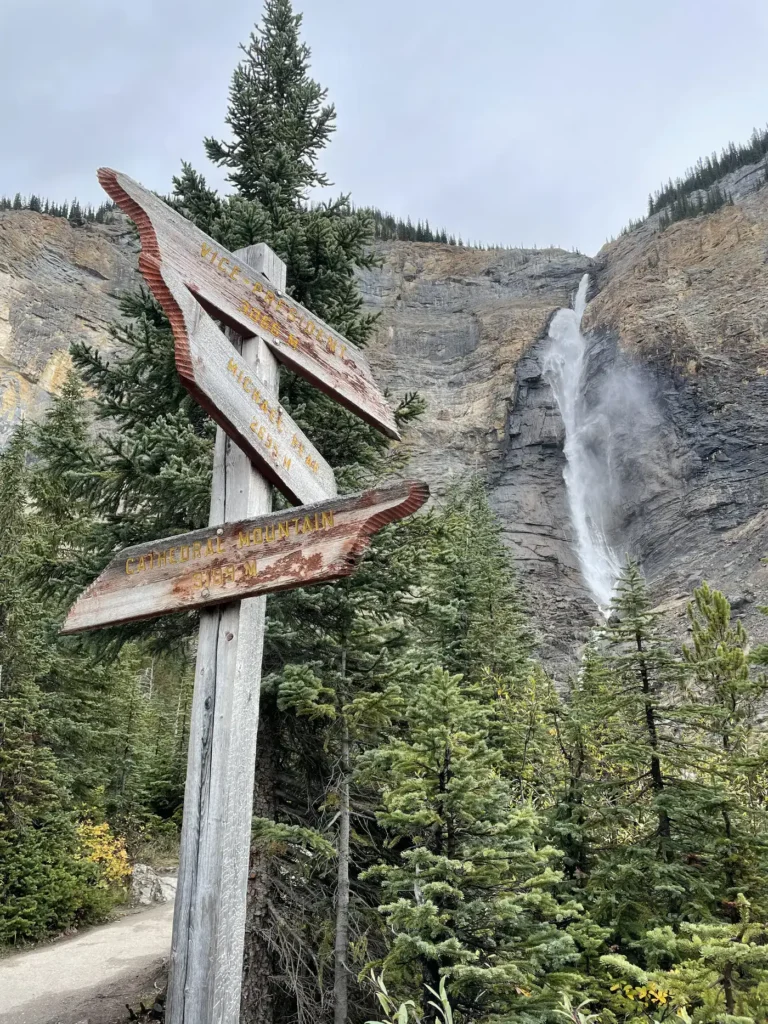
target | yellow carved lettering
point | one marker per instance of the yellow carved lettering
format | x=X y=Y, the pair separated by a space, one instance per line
x=198 y=578
x=249 y=569
x=246 y=383
x=222 y=261
x=215 y=575
x=228 y=573
x=232 y=366
x=219 y=546
x=142 y=564
x=205 y=249
x=258 y=535
x=161 y=558
x=270 y=533
x=185 y=552
x=327 y=520
x=209 y=547
x=172 y=556
x=283 y=529
x=286 y=462
x=196 y=549
x=235 y=272
x=129 y=570
x=243 y=540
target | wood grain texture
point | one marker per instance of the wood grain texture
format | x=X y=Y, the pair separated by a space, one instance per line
x=235 y=397
x=303 y=545
x=250 y=304
x=209 y=915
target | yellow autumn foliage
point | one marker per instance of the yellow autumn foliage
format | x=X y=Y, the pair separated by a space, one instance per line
x=99 y=845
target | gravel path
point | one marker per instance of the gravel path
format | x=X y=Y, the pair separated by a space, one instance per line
x=89 y=977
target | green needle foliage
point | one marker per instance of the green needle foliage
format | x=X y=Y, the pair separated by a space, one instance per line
x=45 y=884
x=471 y=896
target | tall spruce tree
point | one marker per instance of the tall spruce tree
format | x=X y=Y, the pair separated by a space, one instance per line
x=727 y=695
x=277 y=116
x=636 y=795
x=471 y=895
x=45 y=885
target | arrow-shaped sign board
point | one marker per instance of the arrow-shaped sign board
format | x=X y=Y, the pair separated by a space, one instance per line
x=235 y=397
x=246 y=301
x=279 y=551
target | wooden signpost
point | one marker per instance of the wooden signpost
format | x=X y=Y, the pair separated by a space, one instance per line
x=279 y=551
x=245 y=553
x=250 y=303
x=240 y=402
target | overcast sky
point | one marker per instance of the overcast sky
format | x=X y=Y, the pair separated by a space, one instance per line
x=504 y=121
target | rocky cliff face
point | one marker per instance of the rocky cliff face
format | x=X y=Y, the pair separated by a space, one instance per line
x=58 y=284
x=687 y=308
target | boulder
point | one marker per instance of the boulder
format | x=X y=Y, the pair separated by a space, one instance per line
x=146 y=886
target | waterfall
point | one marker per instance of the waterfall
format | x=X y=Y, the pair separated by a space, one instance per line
x=587 y=448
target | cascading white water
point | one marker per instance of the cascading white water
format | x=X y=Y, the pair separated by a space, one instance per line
x=587 y=435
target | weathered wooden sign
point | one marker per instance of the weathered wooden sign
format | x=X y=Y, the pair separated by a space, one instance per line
x=222 y=570
x=249 y=304
x=303 y=545
x=234 y=394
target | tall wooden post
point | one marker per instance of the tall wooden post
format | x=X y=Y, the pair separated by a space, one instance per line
x=209 y=918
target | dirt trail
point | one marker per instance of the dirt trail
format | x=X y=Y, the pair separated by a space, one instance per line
x=89 y=977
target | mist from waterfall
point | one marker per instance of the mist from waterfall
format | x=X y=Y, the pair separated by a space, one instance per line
x=589 y=471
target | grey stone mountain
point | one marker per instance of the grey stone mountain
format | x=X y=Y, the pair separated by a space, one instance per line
x=686 y=308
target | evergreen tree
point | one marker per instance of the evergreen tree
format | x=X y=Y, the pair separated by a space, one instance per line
x=102 y=720
x=635 y=798
x=471 y=897
x=718 y=972
x=75 y=213
x=479 y=626
x=724 y=714
x=277 y=115
x=45 y=885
